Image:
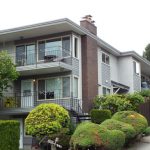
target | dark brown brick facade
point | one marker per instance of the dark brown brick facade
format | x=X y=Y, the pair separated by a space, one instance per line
x=89 y=72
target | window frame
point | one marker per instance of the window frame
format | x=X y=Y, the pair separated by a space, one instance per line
x=25 y=51
x=60 y=77
x=105 y=58
x=107 y=93
x=52 y=38
x=135 y=65
x=75 y=47
x=76 y=77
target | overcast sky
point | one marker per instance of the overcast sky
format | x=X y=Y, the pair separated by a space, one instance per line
x=124 y=24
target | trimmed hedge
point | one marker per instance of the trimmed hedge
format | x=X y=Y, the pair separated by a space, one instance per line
x=133 y=118
x=90 y=135
x=98 y=116
x=128 y=130
x=9 y=135
x=47 y=119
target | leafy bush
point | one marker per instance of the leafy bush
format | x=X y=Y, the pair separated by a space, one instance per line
x=98 y=116
x=89 y=135
x=145 y=93
x=112 y=124
x=9 y=135
x=147 y=131
x=46 y=119
x=135 y=119
x=117 y=102
x=114 y=103
x=135 y=100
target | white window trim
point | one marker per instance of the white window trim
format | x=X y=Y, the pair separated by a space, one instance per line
x=106 y=54
x=136 y=62
x=74 y=76
x=106 y=89
x=73 y=46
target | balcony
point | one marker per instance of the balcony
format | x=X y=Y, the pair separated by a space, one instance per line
x=51 y=60
x=23 y=103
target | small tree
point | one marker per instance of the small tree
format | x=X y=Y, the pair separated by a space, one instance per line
x=146 y=53
x=8 y=71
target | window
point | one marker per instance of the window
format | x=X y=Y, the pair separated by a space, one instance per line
x=25 y=55
x=41 y=89
x=54 y=88
x=76 y=87
x=105 y=58
x=20 y=55
x=66 y=86
x=41 y=50
x=136 y=67
x=53 y=47
x=66 y=46
x=75 y=47
x=106 y=91
x=57 y=47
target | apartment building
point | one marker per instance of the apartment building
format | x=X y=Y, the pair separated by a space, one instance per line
x=64 y=63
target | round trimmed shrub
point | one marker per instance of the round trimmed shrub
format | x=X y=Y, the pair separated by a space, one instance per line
x=98 y=116
x=46 y=119
x=112 y=124
x=133 y=118
x=90 y=135
x=147 y=131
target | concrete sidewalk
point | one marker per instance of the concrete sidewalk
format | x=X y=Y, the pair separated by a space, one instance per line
x=143 y=144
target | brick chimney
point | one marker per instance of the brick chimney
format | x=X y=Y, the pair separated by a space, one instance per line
x=88 y=23
x=89 y=64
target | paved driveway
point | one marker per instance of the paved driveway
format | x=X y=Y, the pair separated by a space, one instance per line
x=140 y=146
x=144 y=144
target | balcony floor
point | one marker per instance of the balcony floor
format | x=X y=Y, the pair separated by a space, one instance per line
x=44 y=68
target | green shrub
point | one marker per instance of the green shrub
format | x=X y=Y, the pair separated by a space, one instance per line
x=145 y=93
x=46 y=119
x=147 y=131
x=114 y=140
x=135 y=119
x=116 y=102
x=89 y=135
x=98 y=116
x=9 y=135
x=135 y=100
x=112 y=124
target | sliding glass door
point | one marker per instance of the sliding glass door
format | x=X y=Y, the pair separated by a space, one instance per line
x=25 y=55
x=30 y=54
x=54 y=88
x=20 y=55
